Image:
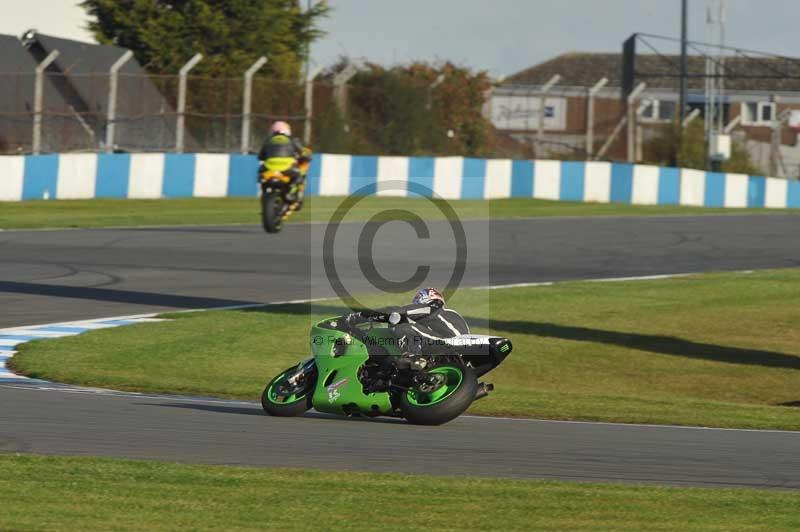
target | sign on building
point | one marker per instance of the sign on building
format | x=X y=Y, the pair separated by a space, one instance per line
x=521 y=112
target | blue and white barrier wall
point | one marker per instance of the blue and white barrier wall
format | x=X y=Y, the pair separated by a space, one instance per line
x=158 y=175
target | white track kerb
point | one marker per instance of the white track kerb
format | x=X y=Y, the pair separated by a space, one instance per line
x=11 y=338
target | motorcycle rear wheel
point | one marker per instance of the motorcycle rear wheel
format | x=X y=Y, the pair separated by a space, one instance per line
x=445 y=403
x=272 y=212
x=277 y=400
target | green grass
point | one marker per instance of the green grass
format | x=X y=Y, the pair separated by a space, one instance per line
x=717 y=350
x=218 y=211
x=49 y=493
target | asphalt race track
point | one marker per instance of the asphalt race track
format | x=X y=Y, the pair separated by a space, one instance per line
x=50 y=276
x=220 y=432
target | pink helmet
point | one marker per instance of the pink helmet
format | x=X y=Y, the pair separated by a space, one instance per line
x=425 y=296
x=281 y=128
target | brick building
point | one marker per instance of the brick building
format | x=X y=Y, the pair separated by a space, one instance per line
x=764 y=92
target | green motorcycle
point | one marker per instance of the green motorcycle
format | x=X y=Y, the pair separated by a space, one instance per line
x=357 y=369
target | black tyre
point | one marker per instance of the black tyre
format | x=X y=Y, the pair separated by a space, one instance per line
x=446 y=402
x=272 y=212
x=281 y=398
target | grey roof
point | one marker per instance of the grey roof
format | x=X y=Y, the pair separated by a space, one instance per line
x=659 y=71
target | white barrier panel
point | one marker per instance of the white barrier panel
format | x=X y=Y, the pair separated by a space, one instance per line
x=394 y=170
x=12 y=175
x=547 y=180
x=147 y=176
x=736 y=186
x=335 y=175
x=776 y=194
x=693 y=187
x=211 y=175
x=498 y=179
x=597 y=182
x=76 y=176
x=447 y=177
x=645 y=185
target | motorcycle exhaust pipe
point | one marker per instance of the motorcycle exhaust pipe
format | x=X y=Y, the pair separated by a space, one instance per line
x=483 y=390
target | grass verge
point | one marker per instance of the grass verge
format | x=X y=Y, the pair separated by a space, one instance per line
x=719 y=350
x=107 y=494
x=220 y=211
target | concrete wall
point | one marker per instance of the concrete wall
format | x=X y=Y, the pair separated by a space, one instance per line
x=82 y=176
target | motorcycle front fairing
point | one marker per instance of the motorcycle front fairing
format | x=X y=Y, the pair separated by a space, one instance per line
x=339 y=358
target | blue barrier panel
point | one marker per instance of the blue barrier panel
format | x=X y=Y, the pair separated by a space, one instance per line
x=521 y=179
x=473 y=177
x=420 y=173
x=756 y=191
x=572 y=181
x=793 y=194
x=113 y=173
x=242 y=175
x=669 y=186
x=313 y=177
x=621 y=183
x=41 y=175
x=715 y=189
x=178 y=175
x=363 y=174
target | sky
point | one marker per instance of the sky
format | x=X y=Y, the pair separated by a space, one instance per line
x=500 y=36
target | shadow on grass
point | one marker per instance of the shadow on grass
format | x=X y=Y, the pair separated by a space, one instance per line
x=665 y=345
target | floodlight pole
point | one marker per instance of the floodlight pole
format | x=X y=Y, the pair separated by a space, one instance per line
x=632 y=120
x=309 y=105
x=590 y=116
x=113 y=76
x=247 y=99
x=542 y=98
x=38 y=100
x=183 y=73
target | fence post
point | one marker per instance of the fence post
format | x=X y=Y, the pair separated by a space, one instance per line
x=542 y=98
x=113 y=75
x=38 y=100
x=690 y=117
x=632 y=120
x=248 y=101
x=179 y=129
x=340 y=89
x=590 y=116
x=438 y=81
x=309 y=105
x=639 y=140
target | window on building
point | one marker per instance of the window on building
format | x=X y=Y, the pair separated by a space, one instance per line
x=758 y=113
x=658 y=110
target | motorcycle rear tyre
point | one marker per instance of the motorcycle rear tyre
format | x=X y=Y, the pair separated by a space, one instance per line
x=272 y=212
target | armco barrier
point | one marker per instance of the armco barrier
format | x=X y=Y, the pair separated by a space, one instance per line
x=158 y=175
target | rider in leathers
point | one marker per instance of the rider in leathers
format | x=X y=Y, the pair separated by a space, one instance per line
x=282 y=152
x=423 y=325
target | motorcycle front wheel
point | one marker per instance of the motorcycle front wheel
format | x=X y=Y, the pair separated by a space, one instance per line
x=282 y=398
x=272 y=212
x=455 y=390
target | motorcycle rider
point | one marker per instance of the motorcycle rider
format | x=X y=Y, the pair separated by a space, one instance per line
x=421 y=327
x=283 y=153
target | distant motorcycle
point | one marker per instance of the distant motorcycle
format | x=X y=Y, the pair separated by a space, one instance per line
x=358 y=370
x=281 y=195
